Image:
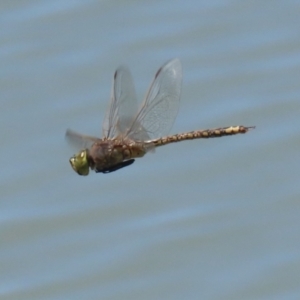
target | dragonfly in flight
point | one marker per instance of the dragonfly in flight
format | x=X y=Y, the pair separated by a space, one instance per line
x=128 y=132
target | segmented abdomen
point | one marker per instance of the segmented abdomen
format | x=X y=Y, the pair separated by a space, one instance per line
x=201 y=134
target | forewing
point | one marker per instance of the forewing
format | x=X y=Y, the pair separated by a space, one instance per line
x=80 y=141
x=122 y=106
x=160 y=106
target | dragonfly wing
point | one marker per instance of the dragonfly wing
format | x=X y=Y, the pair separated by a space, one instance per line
x=80 y=141
x=160 y=106
x=122 y=105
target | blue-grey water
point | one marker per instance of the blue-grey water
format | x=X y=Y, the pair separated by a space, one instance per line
x=203 y=219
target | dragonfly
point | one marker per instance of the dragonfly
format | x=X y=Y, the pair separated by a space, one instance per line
x=130 y=132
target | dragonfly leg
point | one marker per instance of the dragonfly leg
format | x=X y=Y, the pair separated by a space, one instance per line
x=116 y=167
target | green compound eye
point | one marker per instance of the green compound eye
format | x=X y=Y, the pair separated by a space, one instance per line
x=79 y=163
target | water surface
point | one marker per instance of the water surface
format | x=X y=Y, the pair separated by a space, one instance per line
x=210 y=219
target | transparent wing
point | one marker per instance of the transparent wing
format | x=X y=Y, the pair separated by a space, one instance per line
x=122 y=106
x=160 y=107
x=80 y=141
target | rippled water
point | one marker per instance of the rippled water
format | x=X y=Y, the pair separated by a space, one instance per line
x=205 y=219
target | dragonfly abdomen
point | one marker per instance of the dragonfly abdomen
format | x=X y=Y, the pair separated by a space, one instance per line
x=201 y=134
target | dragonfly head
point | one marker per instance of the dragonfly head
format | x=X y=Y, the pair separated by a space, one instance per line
x=79 y=163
